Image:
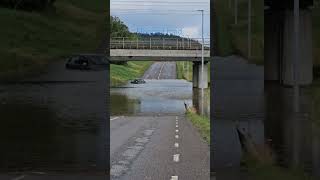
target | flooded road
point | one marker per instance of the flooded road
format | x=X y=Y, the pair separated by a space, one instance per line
x=154 y=97
x=54 y=123
x=264 y=112
x=162 y=94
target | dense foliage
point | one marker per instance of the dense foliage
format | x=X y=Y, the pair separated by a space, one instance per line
x=118 y=28
x=28 y=5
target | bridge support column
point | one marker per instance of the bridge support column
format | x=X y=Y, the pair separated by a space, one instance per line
x=279 y=47
x=305 y=62
x=272 y=45
x=198 y=82
x=195 y=74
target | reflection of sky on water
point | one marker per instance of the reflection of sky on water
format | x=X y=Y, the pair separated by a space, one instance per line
x=156 y=96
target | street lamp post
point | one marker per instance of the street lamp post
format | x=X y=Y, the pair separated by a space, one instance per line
x=202 y=60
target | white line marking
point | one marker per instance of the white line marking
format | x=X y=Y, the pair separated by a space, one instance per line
x=177 y=126
x=177 y=130
x=176 y=145
x=161 y=70
x=174 y=178
x=177 y=136
x=176 y=117
x=19 y=178
x=176 y=157
x=114 y=118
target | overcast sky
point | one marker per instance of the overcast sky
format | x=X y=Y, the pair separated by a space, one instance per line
x=178 y=17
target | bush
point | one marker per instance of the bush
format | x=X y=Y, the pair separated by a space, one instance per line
x=28 y=5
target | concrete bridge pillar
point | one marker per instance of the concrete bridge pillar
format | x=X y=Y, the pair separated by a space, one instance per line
x=279 y=47
x=198 y=82
x=195 y=74
x=305 y=62
x=272 y=45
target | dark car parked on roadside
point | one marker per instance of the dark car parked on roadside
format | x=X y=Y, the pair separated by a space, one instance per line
x=138 y=81
x=87 y=62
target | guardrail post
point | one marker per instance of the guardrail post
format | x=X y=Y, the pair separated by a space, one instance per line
x=182 y=43
x=137 y=43
x=163 y=39
x=150 y=44
x=177 y=43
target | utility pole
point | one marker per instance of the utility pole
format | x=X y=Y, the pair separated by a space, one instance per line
x=202 y=61
x=249 y=29
x=296 y=54
x=236 y=12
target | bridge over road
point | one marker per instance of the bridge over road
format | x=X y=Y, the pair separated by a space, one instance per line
x=164 y=49
x=158 y=49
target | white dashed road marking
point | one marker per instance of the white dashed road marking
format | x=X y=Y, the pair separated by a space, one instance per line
x=176 y=145
x=19 y=178
x=177 y=130
x=177 y=136
x=177 y=126
x=174 y=178
x=176 y=157
x=114 y=118
x=161 y=70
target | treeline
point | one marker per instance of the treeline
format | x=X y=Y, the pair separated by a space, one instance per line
x=28 y=5
x=118 y=28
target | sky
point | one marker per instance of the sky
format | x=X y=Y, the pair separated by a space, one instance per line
x=178 y=17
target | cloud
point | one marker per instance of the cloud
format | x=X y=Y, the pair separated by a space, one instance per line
x=192 y=32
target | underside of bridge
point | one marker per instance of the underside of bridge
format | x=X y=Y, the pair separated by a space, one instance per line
x=280 y=42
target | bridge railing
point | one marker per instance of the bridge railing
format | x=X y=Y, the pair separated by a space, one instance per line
x=159 y=43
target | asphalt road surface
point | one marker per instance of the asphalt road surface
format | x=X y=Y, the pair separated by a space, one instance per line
x=156 y=148
x=161 y=70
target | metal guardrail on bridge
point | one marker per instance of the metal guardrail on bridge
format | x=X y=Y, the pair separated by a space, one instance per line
x=155 y=43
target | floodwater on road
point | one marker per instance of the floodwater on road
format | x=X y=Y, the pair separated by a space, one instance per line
x=153 y=97
x=54 y=123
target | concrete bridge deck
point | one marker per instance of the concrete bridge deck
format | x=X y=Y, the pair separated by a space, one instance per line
x=157 y=55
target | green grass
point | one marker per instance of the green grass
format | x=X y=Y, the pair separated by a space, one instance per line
x=201 y=123
x=30 y=40
x=121 y=74
x=184 y=73
x=258 y=170
x=232 y=39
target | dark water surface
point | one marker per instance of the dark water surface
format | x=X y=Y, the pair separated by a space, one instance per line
x=54 y=123
x=264 y=112
x=154 y=97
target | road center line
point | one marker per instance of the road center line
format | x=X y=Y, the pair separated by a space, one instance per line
x=176 y=145
x=114 y=118
x=177 y=130
x=19 y=178
x=177 y=126
x=174 y=178
x=161 y=70
x=176 y=157
x=177 y=136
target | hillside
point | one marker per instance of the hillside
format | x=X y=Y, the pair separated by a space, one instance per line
x=29 y=40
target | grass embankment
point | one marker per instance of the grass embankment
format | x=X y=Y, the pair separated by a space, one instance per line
x=121 y=74
x=233 y=39
x=202 y=123
x=30 y=40
x=184 y=71
x=266 y=171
